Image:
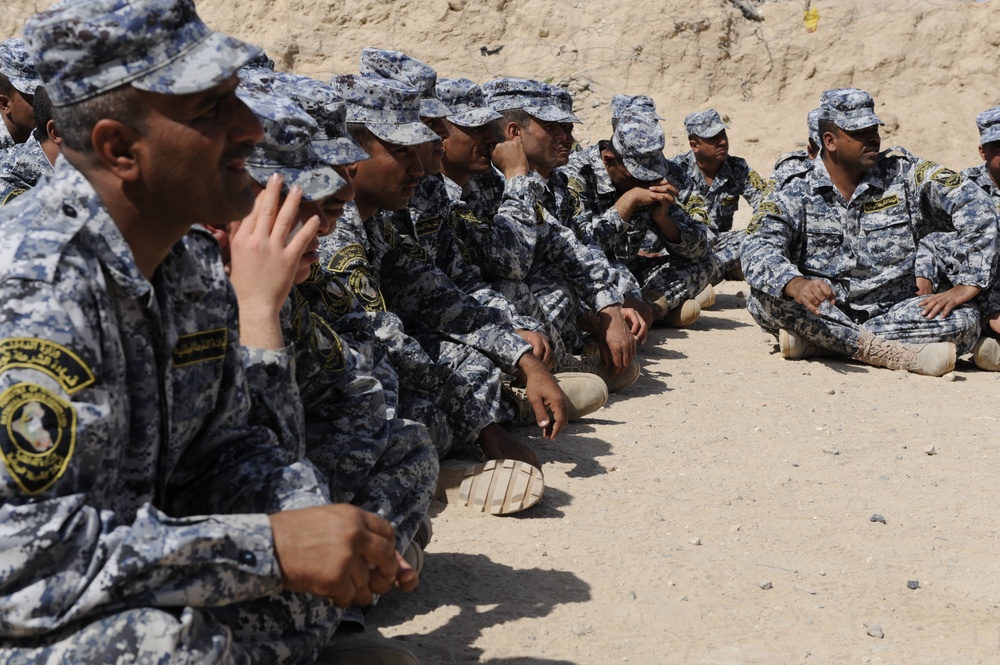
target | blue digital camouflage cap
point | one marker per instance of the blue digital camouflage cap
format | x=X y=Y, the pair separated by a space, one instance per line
x=17 y=65
x=260 y=61
x=812 y=120
x=287 y=145
x=85 y=48
x=389 y=109
x=639 y=140
x=331 y=140
x=704 y=124
x=401 y=67
x=533 y=97
x=562 y=99
x=640 y=103
x=848 y=108
x=466 y=101
x=988 y=123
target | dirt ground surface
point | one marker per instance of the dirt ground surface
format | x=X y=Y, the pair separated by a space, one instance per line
x=720 y=510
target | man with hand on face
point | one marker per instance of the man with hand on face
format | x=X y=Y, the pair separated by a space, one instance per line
x=160 y=524
x=26 y=163
x=18 y=80
x=387 y=270
x=535 y=260
x=430 y=219
x=830 y=257
x=628 y=189
x=720 y=179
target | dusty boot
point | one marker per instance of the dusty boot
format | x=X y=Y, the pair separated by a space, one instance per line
x=414 y=556
x=705 y=297
x=795 y=347
x=497 y=487
x=585 y=393
x=684 y=314
x=590 y=363
x=986 y=354
x=934 y=359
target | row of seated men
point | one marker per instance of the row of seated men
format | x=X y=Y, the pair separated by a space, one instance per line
x=424 y=263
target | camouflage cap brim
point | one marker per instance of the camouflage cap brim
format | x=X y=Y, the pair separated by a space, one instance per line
x=431 y=107
x=710 y=131
x=649 y=168
x=339 y=151
x=25 y=86
x=989 y=135
x=854 y=121
x=317 y=180
x=550 y=113
x=208 y=63
x=474 y=117
x=407 y=133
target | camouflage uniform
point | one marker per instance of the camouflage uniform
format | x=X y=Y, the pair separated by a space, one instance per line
x=866 y=250
x=109 y=476
x=686 y=267
x=24 y=166
x=722 y=198
x=383 y=464
x=18 y=66
x=798 y=162
x=137 y=493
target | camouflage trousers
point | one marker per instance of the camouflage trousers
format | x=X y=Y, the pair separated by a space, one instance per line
x=555 y=305
x=392 y=475
x=836 y=331
x=676 y=279
x=285 y=628
x=726 y=253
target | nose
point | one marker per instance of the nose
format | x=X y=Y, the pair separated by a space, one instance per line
x=416 y=168
x=309 y=208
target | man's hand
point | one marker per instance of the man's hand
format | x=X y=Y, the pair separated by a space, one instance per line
x=539 y=347
x=617 y=342
x=940 y=305
x=662 y=193
x=545 y=395
x=263 y=262
x=925 y=287
x=341 y=552
x=637 y=308
x=510 y=158
x=810 y=293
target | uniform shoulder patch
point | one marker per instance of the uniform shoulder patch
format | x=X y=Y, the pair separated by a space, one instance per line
x=758 y=182
x=326 y=344
x=920 y=173
x=464 y=215
x=200 y=347
x=763 y=210
x=53 y=359
x=345 y=256
x=946 y=177
x=366 y=290
x=37 y=435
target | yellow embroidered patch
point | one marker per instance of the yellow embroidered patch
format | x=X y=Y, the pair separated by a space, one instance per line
x=200 y=347
x=946 y=177
x=334 y=294
x=920 y=173
x=880 y=204
x=53 y=359
x=366 y=290
x=428 y=226
x=37 y=435
x=345 y=256
x=11 y=195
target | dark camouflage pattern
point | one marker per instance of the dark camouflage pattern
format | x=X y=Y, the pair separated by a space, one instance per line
x=466 y=101
x=705 y=124
x=536 y=98
x=389 y=109
x=22 y=168
x=635 y=103
x=848 y=108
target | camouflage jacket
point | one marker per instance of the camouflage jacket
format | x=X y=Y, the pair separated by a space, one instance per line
x=21 y=169
x=734 y=179
x=545 y=244
x=431 y=220
x=131 y=476
x=622 y=240
x=787 y=167
x=866 y=247
x=387 y=270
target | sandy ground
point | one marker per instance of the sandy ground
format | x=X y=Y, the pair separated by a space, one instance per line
x=722 y=469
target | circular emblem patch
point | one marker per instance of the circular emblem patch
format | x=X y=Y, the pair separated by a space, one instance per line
x=37 y=435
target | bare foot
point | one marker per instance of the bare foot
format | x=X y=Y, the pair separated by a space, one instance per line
x=497 y=443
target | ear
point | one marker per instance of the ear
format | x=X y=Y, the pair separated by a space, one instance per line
x=692 y=143
x=828 y=142
x=115 y=146
x=511 y=130
x=608 y=159
x=352 y=171
x=220 y=233
x=5 y=105
x=982 y=153
x=53 y=132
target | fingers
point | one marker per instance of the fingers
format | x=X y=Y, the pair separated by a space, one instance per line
x=541 y=413
x=548 y=358
x=266 y=207
x=560 y=415
x=407 y=578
